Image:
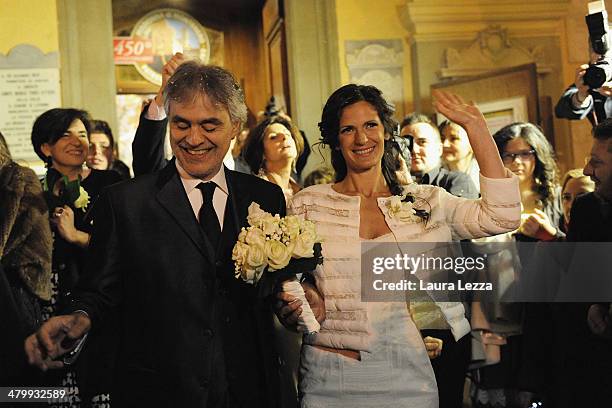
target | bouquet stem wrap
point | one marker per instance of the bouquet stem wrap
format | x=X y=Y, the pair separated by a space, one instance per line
x=307 y=323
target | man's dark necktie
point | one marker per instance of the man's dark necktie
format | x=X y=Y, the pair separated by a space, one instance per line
x=207 y=215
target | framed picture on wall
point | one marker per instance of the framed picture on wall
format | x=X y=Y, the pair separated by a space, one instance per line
x=504 y=112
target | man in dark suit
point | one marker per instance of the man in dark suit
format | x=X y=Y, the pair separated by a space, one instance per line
x=426 y=166
x=581 y=369
x=192 y=335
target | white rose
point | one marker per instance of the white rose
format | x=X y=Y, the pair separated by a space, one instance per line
x=239 y=253
x=255 y=214
x=83 y=199
x=255 y=236
x=304 y=243
x=271 y=225
x=292 y=226
x=255 y=258
x=278 y=254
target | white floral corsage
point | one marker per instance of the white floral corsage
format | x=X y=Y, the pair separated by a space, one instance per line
x=402 y=209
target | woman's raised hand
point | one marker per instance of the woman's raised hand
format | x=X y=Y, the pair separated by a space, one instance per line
x=468 y=116
x=457 y=110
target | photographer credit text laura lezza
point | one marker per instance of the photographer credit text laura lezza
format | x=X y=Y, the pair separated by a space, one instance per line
x=402 y=262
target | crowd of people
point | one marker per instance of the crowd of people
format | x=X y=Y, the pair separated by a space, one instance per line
x=122 y=289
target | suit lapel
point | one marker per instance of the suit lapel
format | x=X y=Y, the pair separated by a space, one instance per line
x=239 y=200
x=173 y=198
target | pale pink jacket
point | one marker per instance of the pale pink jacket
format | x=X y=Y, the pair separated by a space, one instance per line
x=451 y=218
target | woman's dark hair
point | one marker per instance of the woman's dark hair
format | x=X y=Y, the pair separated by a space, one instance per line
x=100 y=126
x=546 y=172
x=330 y=128
x=52 y=124
x=253 y=150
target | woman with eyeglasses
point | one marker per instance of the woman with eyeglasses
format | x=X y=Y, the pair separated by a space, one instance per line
x=506 y=331
x=527 y=153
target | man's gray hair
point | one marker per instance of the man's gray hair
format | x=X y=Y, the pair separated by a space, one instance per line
x=192 y=79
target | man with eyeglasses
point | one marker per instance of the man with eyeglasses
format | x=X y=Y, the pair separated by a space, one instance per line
x=426 y=164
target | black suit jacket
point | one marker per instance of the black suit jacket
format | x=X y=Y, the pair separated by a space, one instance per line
x=581 y=362
x=591 y=220
x=148 y=145
x=190 y=332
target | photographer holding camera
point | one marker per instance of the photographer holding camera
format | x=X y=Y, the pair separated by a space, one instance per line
x=590 y=94
x=579 y=101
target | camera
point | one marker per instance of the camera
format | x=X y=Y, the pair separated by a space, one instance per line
x=599 y=72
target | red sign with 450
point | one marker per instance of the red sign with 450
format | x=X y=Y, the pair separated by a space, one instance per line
x=131 y=50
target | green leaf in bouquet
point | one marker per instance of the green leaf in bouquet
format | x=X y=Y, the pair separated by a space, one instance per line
x=71 y=191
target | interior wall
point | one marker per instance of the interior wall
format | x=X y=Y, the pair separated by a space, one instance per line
x=428 y=28
x=367 y=20
x=533 y=31
x=28 y=22
x=86 y=57
x=314 y=68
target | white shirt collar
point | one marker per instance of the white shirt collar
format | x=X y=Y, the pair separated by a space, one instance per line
x=190 y=183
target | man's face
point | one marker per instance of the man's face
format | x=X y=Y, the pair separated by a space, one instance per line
x=599 y=167
x=426 y=147
x=200 y=135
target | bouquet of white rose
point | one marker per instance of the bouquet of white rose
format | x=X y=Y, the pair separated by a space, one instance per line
x=286 y=246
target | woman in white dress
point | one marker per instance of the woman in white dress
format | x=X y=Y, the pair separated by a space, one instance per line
x=372 y=354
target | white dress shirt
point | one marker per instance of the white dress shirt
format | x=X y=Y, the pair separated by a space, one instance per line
x=195 y=195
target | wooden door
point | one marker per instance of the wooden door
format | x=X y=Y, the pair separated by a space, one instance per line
x=276 y=52
x=499 y=88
